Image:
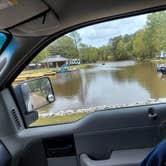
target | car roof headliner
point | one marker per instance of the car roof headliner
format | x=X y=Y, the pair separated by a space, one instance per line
x=46 y=17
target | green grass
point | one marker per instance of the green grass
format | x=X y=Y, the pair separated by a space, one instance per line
x=82 y=66
x=58 y=119
x=159 y=60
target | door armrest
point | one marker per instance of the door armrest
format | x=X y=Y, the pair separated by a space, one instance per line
x=130 y=157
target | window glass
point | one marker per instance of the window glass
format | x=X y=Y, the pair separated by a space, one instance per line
x=113 y=64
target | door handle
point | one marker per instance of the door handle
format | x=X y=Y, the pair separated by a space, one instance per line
x=86 y=161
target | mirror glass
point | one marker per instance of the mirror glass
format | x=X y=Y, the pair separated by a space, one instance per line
x=3 y=39
x=37 y=93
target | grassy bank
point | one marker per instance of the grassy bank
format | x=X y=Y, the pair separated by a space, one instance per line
x=29 y=74
x=58 y=119
x=82 y=66
x=45 y=70
x=158 y=60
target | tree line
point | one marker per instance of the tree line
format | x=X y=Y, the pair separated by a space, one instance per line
x=142 y=45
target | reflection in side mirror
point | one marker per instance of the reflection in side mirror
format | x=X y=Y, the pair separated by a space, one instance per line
x=37 y=93
x=32 y=95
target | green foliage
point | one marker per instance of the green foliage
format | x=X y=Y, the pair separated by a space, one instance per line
x=64 y=46
x=88 y=53
x=139 y=50
x=105 y=53
x=121 y=47
x=155 y=31
x=145 y=43
x=42 y=55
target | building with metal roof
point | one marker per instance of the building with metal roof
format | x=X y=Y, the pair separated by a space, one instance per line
x=54 y=61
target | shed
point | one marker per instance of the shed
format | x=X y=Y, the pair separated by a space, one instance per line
x=74 y=62
x=54 y=61
x=162 y=55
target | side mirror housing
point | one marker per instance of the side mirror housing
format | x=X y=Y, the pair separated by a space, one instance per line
x=32 y=95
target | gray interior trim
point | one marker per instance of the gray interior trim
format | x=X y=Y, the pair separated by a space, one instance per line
x=41 y=26
x=97 y=134
x=118 y=158
x=23 y=10
x=62 y=161
x=84 y=11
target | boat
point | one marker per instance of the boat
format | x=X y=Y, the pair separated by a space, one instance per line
x=65 y=71
x=64 y=68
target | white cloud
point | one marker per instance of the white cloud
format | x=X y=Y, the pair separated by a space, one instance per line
x=99 y=34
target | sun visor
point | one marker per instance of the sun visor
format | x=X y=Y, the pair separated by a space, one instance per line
x=7 y=3
x=43 y=25
x=14 y=12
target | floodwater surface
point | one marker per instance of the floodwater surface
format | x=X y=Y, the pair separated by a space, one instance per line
x=122 y=82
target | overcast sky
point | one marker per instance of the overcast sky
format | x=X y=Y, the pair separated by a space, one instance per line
x=98 y=35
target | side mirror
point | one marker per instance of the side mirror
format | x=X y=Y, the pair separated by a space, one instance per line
x=32 y=95
x=37 y=93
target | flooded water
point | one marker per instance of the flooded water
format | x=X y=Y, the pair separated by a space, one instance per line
x=113 y=83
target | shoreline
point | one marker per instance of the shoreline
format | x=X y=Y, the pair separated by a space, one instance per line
x=101 y=108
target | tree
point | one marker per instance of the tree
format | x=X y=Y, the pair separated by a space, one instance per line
x=155 y=33
x=63 y=46
x=139 y=49
x=42 y=55
x=88 y=53
x=77 y=39
x=105 y=53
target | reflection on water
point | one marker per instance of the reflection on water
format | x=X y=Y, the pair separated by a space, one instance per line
x=113 y=83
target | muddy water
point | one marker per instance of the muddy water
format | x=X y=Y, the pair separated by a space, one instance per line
x=112 y=83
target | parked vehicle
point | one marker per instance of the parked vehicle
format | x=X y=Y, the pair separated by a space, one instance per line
x=161 y=69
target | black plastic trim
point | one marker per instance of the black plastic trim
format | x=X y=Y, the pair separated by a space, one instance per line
x=5 y=157
x=60 y=146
